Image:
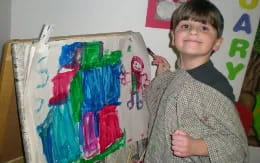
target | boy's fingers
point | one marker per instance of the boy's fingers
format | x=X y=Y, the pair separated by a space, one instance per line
x=161 y=63
x=180 y=154
x=180 y=132
x=160 y=68
x=177 y=139
x=155 y=62
x=158 y=60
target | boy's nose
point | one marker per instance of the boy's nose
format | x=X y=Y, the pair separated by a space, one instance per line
x=193 y=30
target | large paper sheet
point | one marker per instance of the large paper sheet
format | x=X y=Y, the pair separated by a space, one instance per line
x=80 y=98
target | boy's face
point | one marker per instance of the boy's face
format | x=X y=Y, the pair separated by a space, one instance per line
x=194 y=38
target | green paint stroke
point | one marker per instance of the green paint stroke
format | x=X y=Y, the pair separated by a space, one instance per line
x=134 y=83
x=76 y=96
x=129 y=48
x=111 y=59
x=233 y=71
x=92 y=56
x=118 y=144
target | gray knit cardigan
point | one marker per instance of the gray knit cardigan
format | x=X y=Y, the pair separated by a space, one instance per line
x=177 y=100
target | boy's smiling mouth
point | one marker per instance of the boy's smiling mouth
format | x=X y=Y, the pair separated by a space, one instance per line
x=192 y=41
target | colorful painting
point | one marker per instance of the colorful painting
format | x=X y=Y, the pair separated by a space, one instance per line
x=81 y=99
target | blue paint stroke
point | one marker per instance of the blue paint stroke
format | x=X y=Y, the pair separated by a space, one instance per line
x=101 y=87
x=45 y=77
x=41 y=59
x=59 y=135
x=41 y=100
x=68 y=56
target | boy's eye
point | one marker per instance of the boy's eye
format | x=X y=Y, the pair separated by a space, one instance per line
x=204 y=28
x=185 y=26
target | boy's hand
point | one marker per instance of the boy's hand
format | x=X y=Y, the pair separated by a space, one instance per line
x=184 y=145
x=161 y=63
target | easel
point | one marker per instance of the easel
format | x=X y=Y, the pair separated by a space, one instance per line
x=10 y=136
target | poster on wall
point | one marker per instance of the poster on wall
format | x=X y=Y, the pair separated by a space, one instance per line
x=159 y=12
x=81 y=98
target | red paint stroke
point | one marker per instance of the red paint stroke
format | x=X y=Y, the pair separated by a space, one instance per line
x=141 y=78
x=129 y=140
x=108 y=126
x=151 y=20
x=61 y=84
x=90 y=140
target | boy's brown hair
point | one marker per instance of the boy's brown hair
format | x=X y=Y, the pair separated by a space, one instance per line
x=199 y=10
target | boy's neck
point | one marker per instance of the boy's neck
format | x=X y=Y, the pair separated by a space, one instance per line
x=188 y=63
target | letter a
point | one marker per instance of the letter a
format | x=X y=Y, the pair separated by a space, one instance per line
x=243 y=24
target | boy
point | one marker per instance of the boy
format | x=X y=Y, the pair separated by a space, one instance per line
x=193 y=118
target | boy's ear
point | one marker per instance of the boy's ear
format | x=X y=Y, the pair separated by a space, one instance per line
x=218 y=43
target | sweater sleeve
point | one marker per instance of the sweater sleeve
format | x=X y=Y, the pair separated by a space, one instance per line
x=228 y=143
x=224 y=135
x=154 y=92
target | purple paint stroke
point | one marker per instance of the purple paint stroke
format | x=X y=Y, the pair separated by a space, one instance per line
x=90 y=140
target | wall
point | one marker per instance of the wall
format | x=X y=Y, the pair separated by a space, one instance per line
x=72 y=17
x=99 y=16
x=5 y=19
